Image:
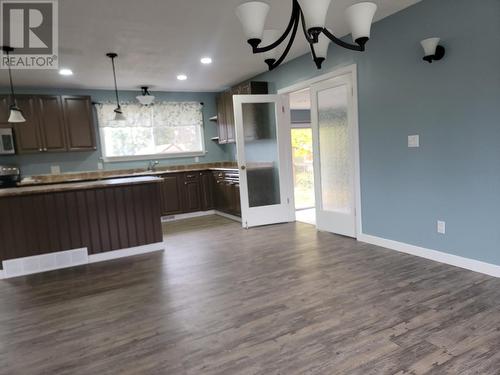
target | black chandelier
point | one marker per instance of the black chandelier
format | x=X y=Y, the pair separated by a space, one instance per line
x=311 y=16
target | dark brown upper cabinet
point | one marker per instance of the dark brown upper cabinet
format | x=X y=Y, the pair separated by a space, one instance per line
x=28 y=134
x=225 y=109
x=53 y=123
x=221 y=119
x=79 y=125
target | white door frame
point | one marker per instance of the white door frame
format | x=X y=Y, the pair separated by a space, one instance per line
x=352 y=71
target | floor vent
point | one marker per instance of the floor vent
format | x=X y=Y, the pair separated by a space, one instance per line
x=44 y=262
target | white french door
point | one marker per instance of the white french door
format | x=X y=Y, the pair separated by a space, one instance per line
x=334 y=149
x=262 y=138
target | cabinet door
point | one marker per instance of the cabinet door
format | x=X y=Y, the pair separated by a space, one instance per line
x=27 y=134
x=192 y=192
x=231 y=137
x=221 y=119
x=237 y=201
x=79 y=123
x=51 y=123
x=4 y=109
x=207 y=191
x=218 y=182
x=171 y=192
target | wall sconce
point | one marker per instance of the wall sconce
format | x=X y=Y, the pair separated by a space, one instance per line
x=433 y=51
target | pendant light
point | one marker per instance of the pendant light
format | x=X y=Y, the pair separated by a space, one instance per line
x=145 y=98
x=16 y=115
x=119 y=116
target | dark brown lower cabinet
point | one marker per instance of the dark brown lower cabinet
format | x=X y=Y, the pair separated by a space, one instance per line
x=207 y=191
x=172 y=194
x=227 y=192
x=192 y=192
x=186 y=192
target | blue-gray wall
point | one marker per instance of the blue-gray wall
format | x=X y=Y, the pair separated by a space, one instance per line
x=454 y=106
x=87 y=161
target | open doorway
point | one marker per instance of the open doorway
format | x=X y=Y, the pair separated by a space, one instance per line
x=302 y=156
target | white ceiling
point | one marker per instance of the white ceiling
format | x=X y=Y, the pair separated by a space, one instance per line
x=158 y=39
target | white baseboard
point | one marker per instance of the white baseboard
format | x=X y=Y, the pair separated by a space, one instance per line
x=438 y=256
x=186 y=216
x=44 y=262
x=228 y=216
x=122 y=253
x=70 y=258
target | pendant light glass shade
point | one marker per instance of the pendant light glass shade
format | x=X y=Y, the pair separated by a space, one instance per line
x=430 y=45
x=315 y=12
x=16 y=115
x=145 y=99
x=321 y=48
x=360 y=18
x=268 y=38
x=252 y=16
x=119 y=116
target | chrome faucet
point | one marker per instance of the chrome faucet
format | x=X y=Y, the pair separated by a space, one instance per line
x=152 y=165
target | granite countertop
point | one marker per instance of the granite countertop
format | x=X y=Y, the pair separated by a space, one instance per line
x=123 y=173
x=82 y=185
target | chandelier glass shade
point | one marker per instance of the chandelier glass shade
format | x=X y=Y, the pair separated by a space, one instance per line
x=310 y=15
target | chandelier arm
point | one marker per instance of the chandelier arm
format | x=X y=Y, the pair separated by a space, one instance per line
x=306 y=34
x=293 y=20
x=287 y=49
x=333 y=38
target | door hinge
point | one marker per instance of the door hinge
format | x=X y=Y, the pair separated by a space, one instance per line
x=283 y=109
x=288 y=200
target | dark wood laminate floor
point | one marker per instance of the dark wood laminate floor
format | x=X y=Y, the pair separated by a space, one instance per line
x=275 y=300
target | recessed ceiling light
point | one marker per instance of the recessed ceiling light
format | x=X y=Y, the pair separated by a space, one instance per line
x=206 y=60
x=182 y=77
x=66 y=72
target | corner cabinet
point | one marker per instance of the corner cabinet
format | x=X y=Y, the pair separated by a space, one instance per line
x=225 y=109
x=53 y=123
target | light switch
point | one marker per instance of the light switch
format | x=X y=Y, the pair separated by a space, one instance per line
x=413 y=141
x=55 y=169
x=441 y=227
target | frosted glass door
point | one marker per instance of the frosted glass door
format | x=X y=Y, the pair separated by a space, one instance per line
x=334 y=156
x=264 y=170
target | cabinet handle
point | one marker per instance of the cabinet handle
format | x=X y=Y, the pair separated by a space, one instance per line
x=45 y=149
x=40 y=149
x=190 y=176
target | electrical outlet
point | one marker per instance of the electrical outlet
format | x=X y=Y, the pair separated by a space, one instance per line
x=441 y=227
x=413 y=141
x=100 y=166
x=197 y=159
x=55 y=169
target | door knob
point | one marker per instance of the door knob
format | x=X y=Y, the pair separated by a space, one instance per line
x=243 y=167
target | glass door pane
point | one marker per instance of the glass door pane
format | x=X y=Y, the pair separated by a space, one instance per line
x=261 y=154
x=335 y=149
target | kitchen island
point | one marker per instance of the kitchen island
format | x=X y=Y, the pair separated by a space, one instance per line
x=46 y=227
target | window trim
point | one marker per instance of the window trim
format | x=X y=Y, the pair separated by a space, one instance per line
x=176 y=155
